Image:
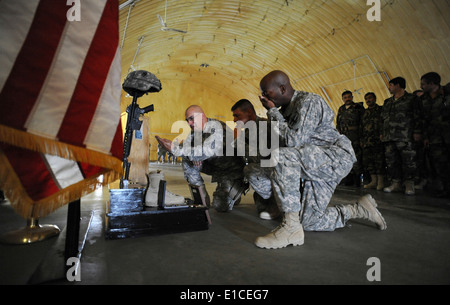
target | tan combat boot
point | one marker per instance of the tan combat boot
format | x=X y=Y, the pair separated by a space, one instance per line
x=373 y=183
x=394 y=187
x=151 y=195
x=366 y=208
x=409 y=187
x=380 y=185
x=290 y=232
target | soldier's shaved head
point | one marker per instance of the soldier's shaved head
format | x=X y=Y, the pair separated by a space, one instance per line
x=276 y=86
x=276 y=78
x=194 y=109
x=195 y=116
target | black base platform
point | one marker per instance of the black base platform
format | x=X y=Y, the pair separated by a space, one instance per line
x=128 y=218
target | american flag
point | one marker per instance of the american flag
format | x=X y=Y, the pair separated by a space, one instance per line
x=60 y=89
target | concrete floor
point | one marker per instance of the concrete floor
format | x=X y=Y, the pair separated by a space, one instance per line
x=413 y=250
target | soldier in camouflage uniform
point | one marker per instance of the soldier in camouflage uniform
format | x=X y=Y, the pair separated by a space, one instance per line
x=313 y=159
x=422 y=158
x=204 y=151
x=436 y=104
x=402 y=125
x=348 y=123
x=244 y=113
x=373 y=148
x=162 y=153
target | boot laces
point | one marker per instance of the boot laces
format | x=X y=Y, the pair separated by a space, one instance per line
x=363 y=211
x=280 y=226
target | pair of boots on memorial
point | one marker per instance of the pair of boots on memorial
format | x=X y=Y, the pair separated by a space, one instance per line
x=170 y=199
x=151 y=196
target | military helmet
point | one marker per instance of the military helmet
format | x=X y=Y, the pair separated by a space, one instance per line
x=141 y=82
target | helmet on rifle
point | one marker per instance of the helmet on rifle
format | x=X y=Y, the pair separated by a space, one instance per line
x=141 y=82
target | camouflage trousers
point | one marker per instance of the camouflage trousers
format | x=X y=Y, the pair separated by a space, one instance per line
x=259 y=179
x=358 y=165
x=374 y=161
x=353 y=136
x=222 y=202
x=440 y=161
x=400 y=160
x=422 y=161
x=304 y=180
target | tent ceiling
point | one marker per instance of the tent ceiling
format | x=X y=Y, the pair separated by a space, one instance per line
x=326 y=46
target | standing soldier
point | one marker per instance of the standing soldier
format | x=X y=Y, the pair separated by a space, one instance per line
x=162 y=153
x=402 y=125
x=373 y=148
x=436 y=103
x=348 y=123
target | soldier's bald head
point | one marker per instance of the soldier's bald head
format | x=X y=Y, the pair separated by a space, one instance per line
x=276 y=78
x=276 y=86
x=194 y=109
x=195 y=117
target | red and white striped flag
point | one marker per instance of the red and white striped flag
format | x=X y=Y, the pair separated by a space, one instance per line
x=60 y=92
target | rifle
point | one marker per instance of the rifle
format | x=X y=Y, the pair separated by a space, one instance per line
x=137 y=83
x=133 y=123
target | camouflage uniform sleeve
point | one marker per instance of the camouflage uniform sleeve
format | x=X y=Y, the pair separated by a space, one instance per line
x=178 y=147
x=417 y=115
x=447 y=106
x=363 y=136
x=212 y=146
x=384 y=119
x=241 y=145
x=379 y=125
x=338 y=120
x=361 y=114
x=297 y=129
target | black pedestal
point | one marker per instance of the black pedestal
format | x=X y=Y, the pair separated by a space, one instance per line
x=127 y=217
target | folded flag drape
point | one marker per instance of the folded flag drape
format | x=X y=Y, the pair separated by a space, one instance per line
x=60 y=127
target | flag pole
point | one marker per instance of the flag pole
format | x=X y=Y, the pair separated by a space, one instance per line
x=32 y=233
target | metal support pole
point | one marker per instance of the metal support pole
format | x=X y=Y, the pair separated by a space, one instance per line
x=73 y=230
